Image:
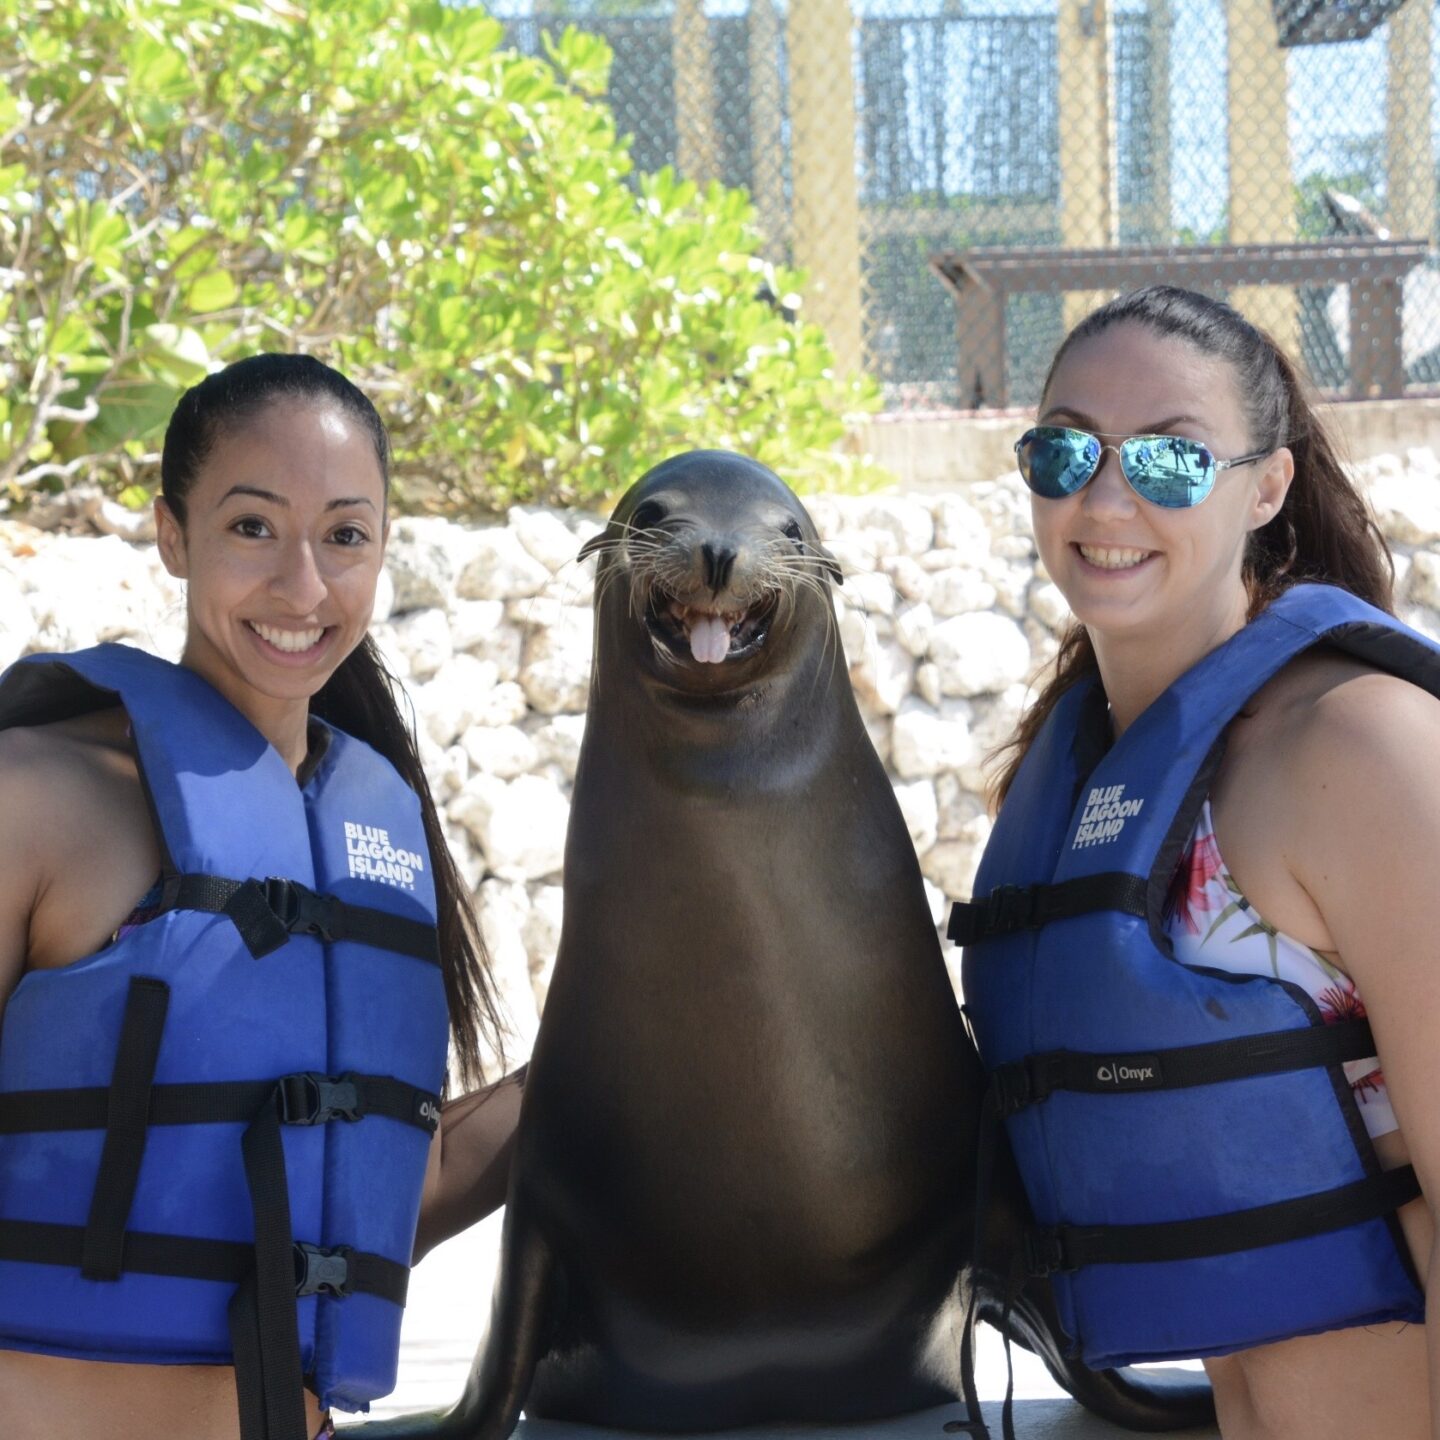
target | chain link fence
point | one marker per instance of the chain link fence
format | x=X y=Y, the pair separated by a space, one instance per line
x=1275 y=151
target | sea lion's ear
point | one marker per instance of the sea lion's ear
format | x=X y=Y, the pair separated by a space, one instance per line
x=830 y=565
x=593 y=544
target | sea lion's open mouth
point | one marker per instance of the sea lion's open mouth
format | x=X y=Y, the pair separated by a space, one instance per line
x=707 y=634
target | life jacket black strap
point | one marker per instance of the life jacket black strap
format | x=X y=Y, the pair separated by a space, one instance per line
x=264 y=1330
x=1068 y=1247
x=1010 y=908
x=268 y=912
x=188 y=1257
x=1036 y=1077
x=303 y=1099
x=127 y=1103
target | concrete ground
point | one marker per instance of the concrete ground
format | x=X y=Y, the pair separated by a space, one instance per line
x=449 y=1304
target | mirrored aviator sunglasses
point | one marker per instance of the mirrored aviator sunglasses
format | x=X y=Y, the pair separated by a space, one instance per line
x=1171 y=471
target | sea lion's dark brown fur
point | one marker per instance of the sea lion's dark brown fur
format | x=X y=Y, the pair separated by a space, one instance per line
x=744 y=1181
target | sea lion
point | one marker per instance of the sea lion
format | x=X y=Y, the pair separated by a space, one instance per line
x=744 y=1184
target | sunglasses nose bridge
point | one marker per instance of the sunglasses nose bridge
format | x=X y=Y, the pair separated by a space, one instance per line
x=1109 y=482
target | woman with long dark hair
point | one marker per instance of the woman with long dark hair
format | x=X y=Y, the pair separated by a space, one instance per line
x=234 y=952
x=1200 y=961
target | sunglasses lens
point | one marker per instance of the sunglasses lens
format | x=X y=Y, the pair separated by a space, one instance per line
x=1055 y=461
x=1168 y=470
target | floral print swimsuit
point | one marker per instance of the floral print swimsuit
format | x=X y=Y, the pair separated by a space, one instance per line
x=1211 y=924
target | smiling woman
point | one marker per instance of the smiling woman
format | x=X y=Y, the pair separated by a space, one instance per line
x=1230 y=1155
x=243 y=852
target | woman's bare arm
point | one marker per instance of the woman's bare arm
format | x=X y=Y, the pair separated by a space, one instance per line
x=1365 y=844
x=469 y=1166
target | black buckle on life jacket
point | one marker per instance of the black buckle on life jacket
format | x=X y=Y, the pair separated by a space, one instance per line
x=300 y=910
x=1027 y=1082
x=320 y=1271
x=311 y=1099
x=1011 y=908
x=1045 y=1252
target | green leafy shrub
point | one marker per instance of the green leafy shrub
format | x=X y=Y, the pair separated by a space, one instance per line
x=379 y=183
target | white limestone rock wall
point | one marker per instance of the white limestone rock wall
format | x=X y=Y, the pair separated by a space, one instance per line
x=944 y=618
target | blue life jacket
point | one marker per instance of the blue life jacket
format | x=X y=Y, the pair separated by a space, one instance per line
x=1197 y=1166
x=214 y=1131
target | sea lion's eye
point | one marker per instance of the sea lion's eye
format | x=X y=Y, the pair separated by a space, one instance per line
x=792 y=531
x=647 y=516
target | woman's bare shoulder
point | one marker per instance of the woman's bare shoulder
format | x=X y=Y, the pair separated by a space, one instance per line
x=63 y=758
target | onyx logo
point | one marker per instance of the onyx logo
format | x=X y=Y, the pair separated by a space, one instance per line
x=1134 y=1072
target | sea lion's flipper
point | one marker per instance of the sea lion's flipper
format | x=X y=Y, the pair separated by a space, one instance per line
x=505 y=1362
x=1149 y=1400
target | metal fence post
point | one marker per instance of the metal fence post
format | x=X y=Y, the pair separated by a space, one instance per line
x=768 y=186
x=1262 y=193
x=826 y=200
x=1409 y=165
x=697 y=153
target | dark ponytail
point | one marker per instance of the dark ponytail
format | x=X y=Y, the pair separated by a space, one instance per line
x=359 y=697
x=1323 y=532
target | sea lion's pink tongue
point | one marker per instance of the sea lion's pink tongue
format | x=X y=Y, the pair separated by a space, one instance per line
x=709 y=639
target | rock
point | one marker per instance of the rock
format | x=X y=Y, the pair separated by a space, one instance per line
x=957 y=807
x=545 y=537
x=960 y=526
x=957 y=591
x=951 y=864
x=423 y=637
x=504 y=705
x=908 y=522
x=392 y=656
x=424 y=557
x=924 y=743
x=384 y=606
x=913 y=627
x=1407 y=506
x=448 y=774
x=857 y=556
x=503 y=910
x=885 y=675
x=455 y=698
x=856 y=633
x=939 y=905
x=556 y=666
x=520 y=826
x=1048 y=605
x=506 y=750
x=541 y=936
x=1011 y=579
x=1004 y=504
x=1424 y=579
x=473 y=622
x=927 y=683
x=917 y=804
x=993 y=722
x=464 y=852
x=110 y=517
x=936 y=560
x=17 y=624
x=979 y=654
x=870 y=592
x=501 y=568
x=1401 y=562
x=482 y=628
x=911 y=580
x=558 y=742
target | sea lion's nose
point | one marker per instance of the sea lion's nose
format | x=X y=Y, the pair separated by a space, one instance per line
x=718 y=561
